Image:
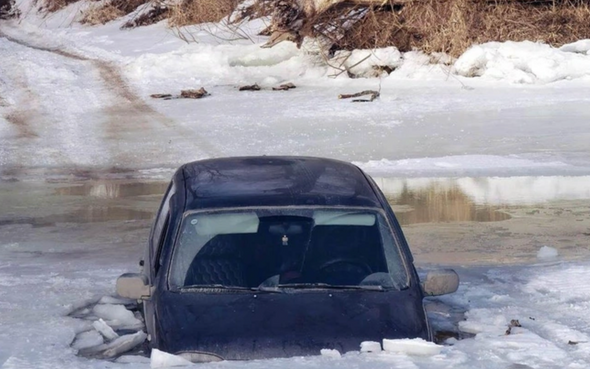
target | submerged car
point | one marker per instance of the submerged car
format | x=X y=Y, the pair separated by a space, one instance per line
x=260 y=257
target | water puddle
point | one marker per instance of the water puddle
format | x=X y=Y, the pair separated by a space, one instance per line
x=436 y=204
x=444 y=200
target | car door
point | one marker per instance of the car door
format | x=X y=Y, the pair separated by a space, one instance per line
x=153 y=263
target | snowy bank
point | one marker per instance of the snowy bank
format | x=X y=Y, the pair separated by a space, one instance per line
x=525 y=62
x=459 y=165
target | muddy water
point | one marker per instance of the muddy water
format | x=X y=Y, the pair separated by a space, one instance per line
x=492 y=220
x=446 y=221
x=48 y=204
x=439 y=204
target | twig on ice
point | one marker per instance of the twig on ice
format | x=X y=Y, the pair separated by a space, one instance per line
x=372 y=96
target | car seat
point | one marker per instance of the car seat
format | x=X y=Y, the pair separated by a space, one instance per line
x=218 y=262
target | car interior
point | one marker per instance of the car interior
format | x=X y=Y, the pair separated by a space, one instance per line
x=287 y=250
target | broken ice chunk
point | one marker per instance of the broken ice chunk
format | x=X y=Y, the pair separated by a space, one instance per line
x=330 y=353
x=370 y=346
x=104 y=329
x=415 y=346
x=117 y=316
x=161 y=359
x=547 y=252
x=87 y=339
x=124 y=344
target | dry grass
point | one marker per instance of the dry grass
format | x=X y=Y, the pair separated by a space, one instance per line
x=187 y=12
x=101 y=14
x=451 y=26
x=110 y=10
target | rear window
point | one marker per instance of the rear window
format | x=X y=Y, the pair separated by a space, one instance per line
x=249 y=248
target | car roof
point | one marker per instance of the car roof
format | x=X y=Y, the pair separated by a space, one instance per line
x=274 y=181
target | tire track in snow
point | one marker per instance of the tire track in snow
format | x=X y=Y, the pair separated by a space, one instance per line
x=127 y=117
x=19 y=115
x=113 y=79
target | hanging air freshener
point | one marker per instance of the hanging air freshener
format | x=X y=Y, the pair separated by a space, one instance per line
x=285 y=240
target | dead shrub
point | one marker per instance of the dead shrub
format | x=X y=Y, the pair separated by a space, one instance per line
x=187 y=12
x=449 y=26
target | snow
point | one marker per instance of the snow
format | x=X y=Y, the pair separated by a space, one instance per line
x=580 y=47
x=474 y=126
x=547 y=252
x=523 y=62
x=415 y=346
x=161 y=359
x=362 y=62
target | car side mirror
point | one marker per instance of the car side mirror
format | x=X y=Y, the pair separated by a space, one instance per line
x=440 y=282
x=133 y=286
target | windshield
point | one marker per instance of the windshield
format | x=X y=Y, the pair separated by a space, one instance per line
x=286 y=247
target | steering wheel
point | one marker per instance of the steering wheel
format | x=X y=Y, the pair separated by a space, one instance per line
x=361 y=266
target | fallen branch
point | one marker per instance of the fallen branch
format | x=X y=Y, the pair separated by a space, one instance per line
x=373 y=96
x=253 y=87
x=284 y=87
x=513 y=323
x=194 y=94
x=184 y=94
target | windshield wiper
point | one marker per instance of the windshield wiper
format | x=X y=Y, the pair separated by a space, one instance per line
x=331 y=286
x=213 y=287
x=227 y=288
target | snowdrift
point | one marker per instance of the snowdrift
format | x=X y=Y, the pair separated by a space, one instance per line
x=526 y=62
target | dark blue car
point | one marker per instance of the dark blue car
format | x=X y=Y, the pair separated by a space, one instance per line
x=259 y=257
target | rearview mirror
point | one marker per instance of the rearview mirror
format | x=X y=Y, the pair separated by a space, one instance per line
x=440 y=282
x=133 y=286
